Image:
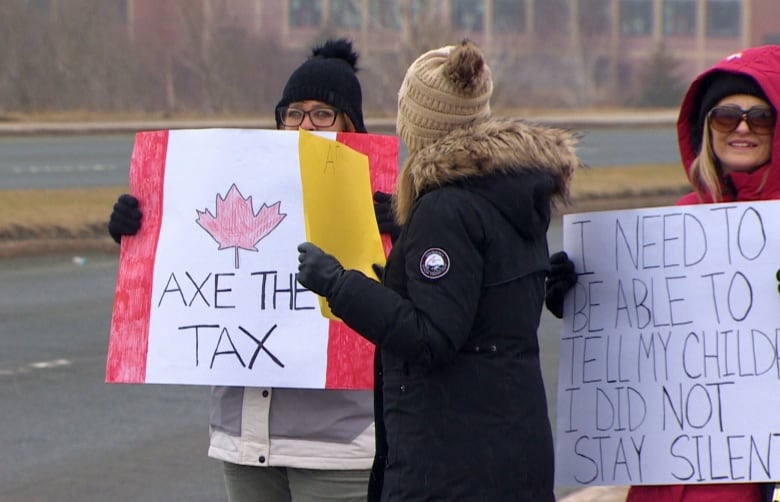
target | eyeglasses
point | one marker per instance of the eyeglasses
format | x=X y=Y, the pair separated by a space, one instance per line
x=760 y=119
x=320 y=117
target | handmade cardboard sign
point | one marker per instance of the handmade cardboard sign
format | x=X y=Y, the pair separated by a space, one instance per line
x=333 y=178
x=207 y=292
x=670 y=348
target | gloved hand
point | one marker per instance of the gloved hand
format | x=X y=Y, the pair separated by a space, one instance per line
x=379 y=270
x=561 y=279
x=317 y=270
x=385 y=218
x=125 y=218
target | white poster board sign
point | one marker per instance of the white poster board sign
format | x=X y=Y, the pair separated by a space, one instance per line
x=207 y=291
x=669 y=353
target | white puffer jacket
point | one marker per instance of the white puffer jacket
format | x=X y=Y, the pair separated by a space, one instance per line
x=302 y=428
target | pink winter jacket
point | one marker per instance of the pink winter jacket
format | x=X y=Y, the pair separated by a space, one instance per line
x=762 y=64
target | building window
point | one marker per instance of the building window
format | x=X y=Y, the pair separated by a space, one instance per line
x=679 y=17
x=602 y=71
x=552 y=16
x=594 y=16
x=385 y=14
x=42 y=5
x=724 y=18
x=305 y=13
x=636 y=17
x=509 y=16
x=346 y=13
x=468 y=15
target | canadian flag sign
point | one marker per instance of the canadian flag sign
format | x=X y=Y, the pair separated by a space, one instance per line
x=207 y=293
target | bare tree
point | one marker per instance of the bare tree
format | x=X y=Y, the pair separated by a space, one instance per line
x=90 y=55
x=423 y=27
x=57 y=59
x=659 y=81
x=156 y=41
x=20 y=51
x=208 y=62
x=174 y=57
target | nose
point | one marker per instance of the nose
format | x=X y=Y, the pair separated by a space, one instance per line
x=307 y=124
x=743 y=126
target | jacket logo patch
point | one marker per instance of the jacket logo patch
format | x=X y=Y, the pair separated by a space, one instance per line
x=435 y=263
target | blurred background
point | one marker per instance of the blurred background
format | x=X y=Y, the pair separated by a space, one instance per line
x=175 y=58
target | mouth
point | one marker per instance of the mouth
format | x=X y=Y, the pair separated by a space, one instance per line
x=742 y=144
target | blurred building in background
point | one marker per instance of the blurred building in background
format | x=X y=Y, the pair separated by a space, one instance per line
x=599 y=44
x=220 y=56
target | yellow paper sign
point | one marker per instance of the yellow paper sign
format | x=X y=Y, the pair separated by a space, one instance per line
x=338 y=207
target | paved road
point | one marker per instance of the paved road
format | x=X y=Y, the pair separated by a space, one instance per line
x=65 y=161
x=66 y=435
x=69 y=436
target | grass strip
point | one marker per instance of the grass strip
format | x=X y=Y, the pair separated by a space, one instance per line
x=642 y=179
x=67 y=212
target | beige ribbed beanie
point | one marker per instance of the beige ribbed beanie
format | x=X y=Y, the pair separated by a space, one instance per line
x=443 y=89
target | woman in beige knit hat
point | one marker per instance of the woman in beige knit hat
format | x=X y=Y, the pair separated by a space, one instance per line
x=461 y=407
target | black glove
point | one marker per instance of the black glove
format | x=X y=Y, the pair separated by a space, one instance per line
x=317 y=270
x=561 y=279
x=125 y=218
x=385 y=218
x=777 y=276
x=379 y=270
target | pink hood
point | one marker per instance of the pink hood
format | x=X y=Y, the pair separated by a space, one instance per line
x=763 y=64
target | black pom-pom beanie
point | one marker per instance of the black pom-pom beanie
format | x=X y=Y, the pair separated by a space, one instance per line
x=328 y=75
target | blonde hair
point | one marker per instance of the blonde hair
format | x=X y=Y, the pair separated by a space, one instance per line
x=706 y=174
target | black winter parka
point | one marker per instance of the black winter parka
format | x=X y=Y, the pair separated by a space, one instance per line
x=461 y=407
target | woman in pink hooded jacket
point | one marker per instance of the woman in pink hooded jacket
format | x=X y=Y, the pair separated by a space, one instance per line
x=730 y=147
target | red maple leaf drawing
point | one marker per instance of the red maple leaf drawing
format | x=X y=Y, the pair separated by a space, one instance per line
x=235 y=225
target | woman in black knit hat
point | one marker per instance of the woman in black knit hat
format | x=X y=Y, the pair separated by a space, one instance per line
x=307 y=445
x=326 y=79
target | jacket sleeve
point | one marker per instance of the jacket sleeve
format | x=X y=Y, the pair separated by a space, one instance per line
x=433 y=322
x=688 y=199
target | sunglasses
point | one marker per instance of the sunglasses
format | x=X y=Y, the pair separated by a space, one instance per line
x=760 y=119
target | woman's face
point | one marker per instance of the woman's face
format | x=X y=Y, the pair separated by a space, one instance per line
x=741 y=149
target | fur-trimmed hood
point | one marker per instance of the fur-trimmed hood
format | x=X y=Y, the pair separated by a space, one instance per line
x=487 y=148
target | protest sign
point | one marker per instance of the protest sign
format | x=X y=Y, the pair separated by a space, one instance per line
x=333 y=179
x=206 y=292
x=669 y=350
